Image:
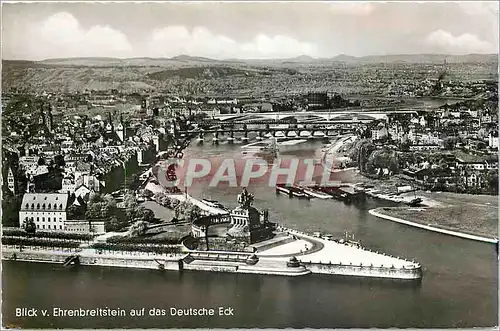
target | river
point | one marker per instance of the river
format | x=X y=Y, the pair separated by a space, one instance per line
x=458 y=289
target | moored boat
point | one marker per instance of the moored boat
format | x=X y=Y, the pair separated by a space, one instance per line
x=292 y=191
x=315 y=193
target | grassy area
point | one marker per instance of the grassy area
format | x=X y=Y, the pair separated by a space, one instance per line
x=472 y=219
x=162 y=213
x=456 y=199
x=172 y=231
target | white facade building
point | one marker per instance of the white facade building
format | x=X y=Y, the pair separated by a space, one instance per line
x=47 y=210
x=493 y=139
x=84 y=227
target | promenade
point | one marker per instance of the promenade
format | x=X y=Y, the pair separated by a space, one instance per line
x=328 y=251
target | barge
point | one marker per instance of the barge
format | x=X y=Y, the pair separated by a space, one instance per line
x=291 y=191
x=316 y=193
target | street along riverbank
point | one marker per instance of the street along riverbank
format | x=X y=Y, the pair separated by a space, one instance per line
x=327 y=257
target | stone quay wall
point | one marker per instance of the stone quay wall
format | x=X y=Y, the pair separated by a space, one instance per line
x=105 y=260
x=364 y=271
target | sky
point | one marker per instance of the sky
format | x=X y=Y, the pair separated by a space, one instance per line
x=244 y=30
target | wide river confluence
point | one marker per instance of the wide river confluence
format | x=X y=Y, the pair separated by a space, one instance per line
x=458 y=289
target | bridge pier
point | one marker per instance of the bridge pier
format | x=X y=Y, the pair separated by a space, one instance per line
x=245 y=134
x=230 y=139
x=216 y=137
x=201 y=137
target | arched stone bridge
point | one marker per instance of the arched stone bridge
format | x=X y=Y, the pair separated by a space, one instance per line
x=311 y=116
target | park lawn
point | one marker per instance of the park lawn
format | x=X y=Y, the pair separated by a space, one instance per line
x=172 y=231
x=472 y=219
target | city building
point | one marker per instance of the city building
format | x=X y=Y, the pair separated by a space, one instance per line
x=49 y=213
x=317 y=100
x=47 y=210
x=493 y=139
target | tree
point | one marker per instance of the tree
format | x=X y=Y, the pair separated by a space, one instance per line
x=138 y=228
x=481 y=145
x=142 y=214
x=491 y=178
x=449 y=143
x=404 y=146
x=30 y=227
x=10 y=210
x=59 y=161
x=130 y=202
x=76 y=212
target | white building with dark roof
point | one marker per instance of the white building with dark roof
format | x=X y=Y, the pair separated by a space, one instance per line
x=47 y=210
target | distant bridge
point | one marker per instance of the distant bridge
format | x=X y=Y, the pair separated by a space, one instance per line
x=310 y=116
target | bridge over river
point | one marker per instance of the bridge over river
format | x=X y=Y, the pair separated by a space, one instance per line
x=329 y=115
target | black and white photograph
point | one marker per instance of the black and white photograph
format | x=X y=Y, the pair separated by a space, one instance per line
x=241 y=164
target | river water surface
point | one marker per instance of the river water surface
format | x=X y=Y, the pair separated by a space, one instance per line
x=458 y=289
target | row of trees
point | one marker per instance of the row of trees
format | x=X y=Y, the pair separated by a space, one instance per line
x=44 y=234
x=371 y=160
x=184 y=210
x=39 y=242
x=157 y=249
x=104 y=208
x=144 y=240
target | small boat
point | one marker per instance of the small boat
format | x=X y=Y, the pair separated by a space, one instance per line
x=316 y=194
x=266 y=147
x=299 y=193
x=280 y=188
x=291 y=191
x=415 y=202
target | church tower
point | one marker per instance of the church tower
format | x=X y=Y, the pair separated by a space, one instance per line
x=11 y=181
x=41 y=116
x=109 y=124
x=49 y=119
x=120 y=130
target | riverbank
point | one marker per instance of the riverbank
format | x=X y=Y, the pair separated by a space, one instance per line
x=300 y=254
x=439 y=220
